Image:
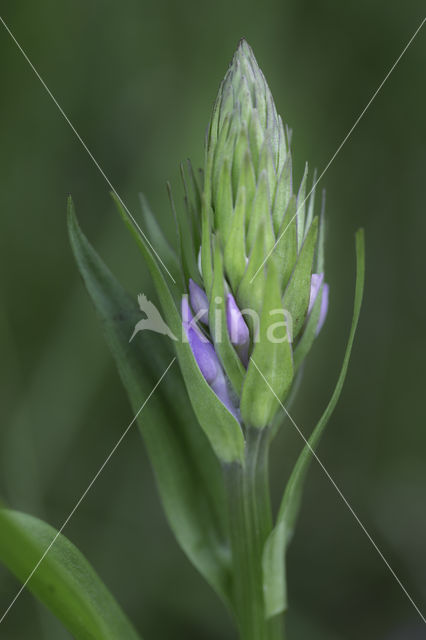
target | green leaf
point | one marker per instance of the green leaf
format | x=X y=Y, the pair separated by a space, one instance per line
x=64 y=581
x=276 y=544
x=187 y=471
x=220 y=426
x=272 y=356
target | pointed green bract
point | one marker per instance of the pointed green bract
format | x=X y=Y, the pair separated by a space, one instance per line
x=235 y=246
x=251 y=289
x=276 y=544
x=218 y=327
x=158 y=239
x=296 y=296
x=272 y=356
x=282 y=195
x=301 y=207
x=284 y=255
x=309 y=332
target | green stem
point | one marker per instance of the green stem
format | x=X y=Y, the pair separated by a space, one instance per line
x=250 y=522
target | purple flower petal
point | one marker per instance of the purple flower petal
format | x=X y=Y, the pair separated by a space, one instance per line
x=204 y=354
x=316 y=282
x=324 y=308
x=238 y=330
x=199 y=301
x=206 y=358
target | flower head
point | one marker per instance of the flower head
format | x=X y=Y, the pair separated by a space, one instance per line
x=260 y=262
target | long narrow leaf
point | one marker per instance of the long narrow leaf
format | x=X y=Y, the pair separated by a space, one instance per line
x=276 y=544
x=64 y=581
x=187 y=472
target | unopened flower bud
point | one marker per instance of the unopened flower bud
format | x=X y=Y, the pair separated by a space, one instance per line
x=206 y=357
x=199 y=301
x=238 y=330
x=258 y=247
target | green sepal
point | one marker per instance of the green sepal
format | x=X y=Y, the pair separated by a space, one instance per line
x=272 y=358
x=64 y=581
x=235 y=245
x=297 y=293
x=218 y=325
x=279 y=538
x=220 y=426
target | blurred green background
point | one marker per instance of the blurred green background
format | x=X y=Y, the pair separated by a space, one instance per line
x=138 y=79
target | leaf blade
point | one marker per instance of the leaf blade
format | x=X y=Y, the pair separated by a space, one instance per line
x=64 y=581
x=176 y=448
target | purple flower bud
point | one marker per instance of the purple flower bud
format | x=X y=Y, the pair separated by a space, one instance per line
x=237 y=328
x=206 y=358
x=317 y=280
x=204 y=354
x=324 y=307
x=199 y=301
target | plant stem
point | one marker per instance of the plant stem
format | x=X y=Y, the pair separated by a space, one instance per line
x=250 y=523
